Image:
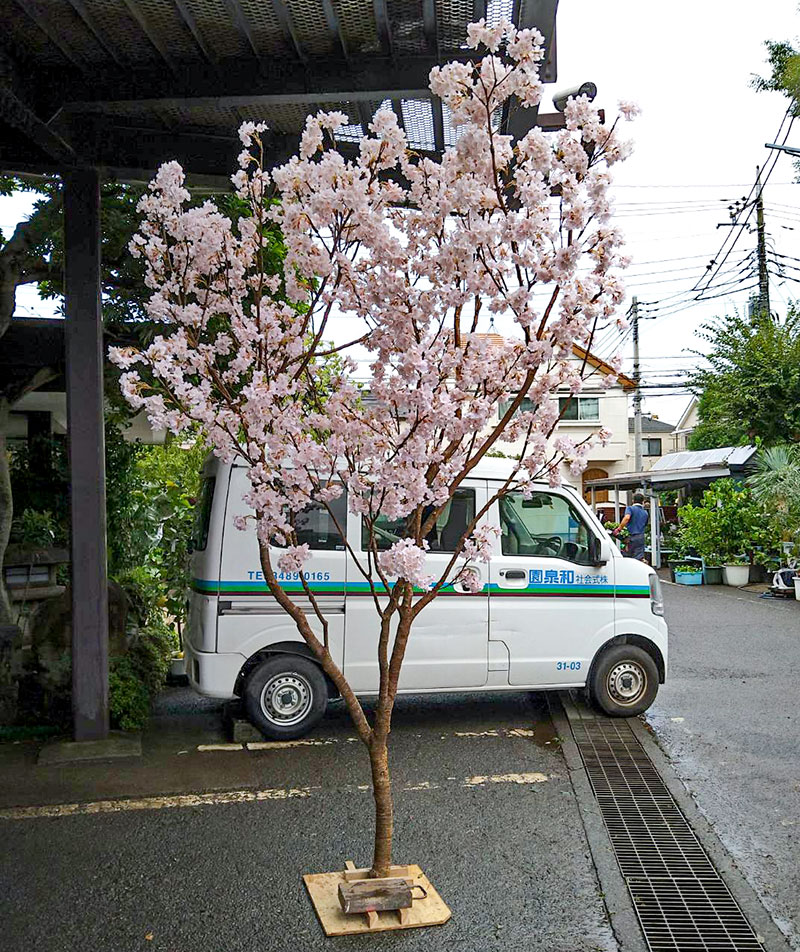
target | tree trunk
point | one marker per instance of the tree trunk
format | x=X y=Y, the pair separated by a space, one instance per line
x=6 y=512
x=384 y=810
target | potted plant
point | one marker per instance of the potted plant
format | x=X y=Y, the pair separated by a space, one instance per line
x=712 y=568
x=688 y=574
x=728 y=525
x=736 y=572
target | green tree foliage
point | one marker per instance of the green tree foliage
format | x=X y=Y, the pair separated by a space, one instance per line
x=776 y=486
x=750 y=392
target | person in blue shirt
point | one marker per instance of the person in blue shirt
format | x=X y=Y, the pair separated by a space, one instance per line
x=635 y=519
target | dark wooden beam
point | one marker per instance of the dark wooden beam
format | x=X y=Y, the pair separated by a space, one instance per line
x=186 y=15
x=287 y=25
x=371 y=79
x=383 y=25
x=151 y=33
x=34 y=14
x=540 y=14
x=364 y=117
x=334 y=26
x=80 y=8
x=21 y=117
x=84 y=354
x=429 y=25
x=438 y=124
x=242 y=24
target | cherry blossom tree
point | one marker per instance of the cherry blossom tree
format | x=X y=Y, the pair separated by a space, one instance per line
x=417 y=252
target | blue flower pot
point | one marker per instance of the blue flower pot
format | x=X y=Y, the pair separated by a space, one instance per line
x=689 y=578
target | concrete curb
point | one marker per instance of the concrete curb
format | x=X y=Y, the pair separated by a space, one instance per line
x=618 y=903
x=772 y=938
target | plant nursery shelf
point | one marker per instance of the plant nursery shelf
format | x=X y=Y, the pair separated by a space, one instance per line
x=323 y=888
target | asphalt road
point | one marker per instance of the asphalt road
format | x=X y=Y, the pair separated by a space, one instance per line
x=484 y=805
x=728 y=718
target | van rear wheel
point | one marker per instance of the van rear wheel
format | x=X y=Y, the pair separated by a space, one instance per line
x=624 y=681
x=285 y=697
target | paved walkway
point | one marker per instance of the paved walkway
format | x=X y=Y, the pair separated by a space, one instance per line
x=728 y=717
x=484 y=805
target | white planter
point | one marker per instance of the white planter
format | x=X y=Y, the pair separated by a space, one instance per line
x=736 y=575
x=797 y=587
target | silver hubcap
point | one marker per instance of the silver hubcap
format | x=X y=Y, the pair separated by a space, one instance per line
x=627 y=682
x=286 y=699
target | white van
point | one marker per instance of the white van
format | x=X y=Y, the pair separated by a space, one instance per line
x=560 y=608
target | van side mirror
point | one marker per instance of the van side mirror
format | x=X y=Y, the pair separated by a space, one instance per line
x=599 y=552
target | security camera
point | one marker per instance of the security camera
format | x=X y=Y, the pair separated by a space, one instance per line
x=585 y=89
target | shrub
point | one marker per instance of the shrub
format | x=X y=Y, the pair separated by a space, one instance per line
x=137 y=677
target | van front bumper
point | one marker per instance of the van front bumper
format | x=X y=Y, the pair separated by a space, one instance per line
x=212 y=674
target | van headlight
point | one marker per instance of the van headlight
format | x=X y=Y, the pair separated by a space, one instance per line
x=656 y=598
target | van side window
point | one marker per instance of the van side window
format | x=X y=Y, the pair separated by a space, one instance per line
x=202 y=514
x=545 y=525
x=316 y=527
x=445 y=535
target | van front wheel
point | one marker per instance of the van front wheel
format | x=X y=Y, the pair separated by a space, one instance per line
x=285 y=697
x=624 y=681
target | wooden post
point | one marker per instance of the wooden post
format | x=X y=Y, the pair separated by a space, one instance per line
x=84 y=359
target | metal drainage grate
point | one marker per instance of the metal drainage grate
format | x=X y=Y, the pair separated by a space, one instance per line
x=682 y=903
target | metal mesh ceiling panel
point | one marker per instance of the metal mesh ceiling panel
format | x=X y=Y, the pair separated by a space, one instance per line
x=357 y=19
x=418 y=122
x=407 y=26
x=452 y=18
x=120 y=31
x=26 y=37
x=171 y=32
x=496 y=10
x=310 y=26
x=267 y=32
x=62 y=22
x=215 y=25
x=291 y=117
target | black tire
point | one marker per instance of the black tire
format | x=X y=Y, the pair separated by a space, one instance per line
x=624 y=681
x=285 y=696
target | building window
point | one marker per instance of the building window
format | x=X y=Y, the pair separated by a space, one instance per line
x=526 y=405
x=651 y=447
x=579 y=408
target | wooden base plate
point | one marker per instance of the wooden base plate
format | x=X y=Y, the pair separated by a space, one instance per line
x=323 y=888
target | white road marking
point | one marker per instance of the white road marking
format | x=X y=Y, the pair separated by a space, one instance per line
x=280 y=744
x=233 y=796
x=326 y=741
x=154 y=803
x=506 y=778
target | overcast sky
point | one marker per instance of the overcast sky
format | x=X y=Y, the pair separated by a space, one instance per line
x=698 y=141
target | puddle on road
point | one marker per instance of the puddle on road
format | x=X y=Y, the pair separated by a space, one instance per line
x=544 y=735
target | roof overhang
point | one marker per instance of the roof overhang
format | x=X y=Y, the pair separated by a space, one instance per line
x=126 y=85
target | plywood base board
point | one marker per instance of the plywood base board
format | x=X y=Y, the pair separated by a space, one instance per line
x=323 y=888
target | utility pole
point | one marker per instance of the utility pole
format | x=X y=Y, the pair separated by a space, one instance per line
x=637 y=394
x=763 y=273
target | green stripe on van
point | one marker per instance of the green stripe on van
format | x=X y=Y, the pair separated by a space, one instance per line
x=210 y=587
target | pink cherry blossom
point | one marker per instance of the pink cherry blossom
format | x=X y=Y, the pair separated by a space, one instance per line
x=364 y=365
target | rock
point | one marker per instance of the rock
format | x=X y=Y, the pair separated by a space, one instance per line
x=10 y=670
x=46 y=685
